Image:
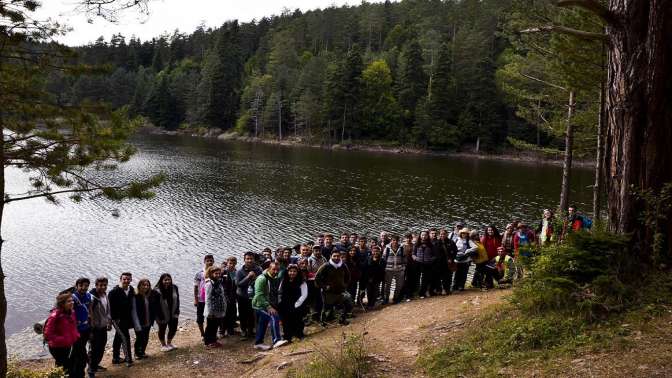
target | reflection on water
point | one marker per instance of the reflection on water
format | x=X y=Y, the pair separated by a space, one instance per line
x=225 y=198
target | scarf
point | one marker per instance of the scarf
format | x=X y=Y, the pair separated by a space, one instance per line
x=217 y=294
x=337 y=266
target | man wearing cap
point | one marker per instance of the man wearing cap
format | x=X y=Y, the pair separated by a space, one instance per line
x=465 y=251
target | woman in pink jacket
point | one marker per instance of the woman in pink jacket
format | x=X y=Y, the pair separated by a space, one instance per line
x=60 y=331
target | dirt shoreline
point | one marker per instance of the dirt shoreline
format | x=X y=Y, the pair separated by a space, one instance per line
x=509 y=156
x=394 y=353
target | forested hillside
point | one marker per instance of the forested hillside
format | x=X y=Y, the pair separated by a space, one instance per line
x=427 y=73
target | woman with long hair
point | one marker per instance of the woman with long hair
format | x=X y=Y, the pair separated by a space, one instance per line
x=293 y=294
x=143 y=317
x=215 y=305
x=167 y=309
x=353 y=262
x=423 y=254
x=60 y=331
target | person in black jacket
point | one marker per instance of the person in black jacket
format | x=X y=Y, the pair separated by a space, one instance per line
x=293 y=294
x=446 y=258
x=166 y=302
x=374 y=274
x=143 y=317
x=121 y=309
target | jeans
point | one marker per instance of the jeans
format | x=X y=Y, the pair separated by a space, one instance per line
x=141 y=340
x=263 y=319
x=97 y=347
x=121 y=336
x=211 y=326
x=79 y=355
x=461 y=275
x=398 y=276
x=292 y=321
x=444 y=277
x=229 y=323
x=172 y=330
x=246 y=315
x=427 y=283
x=315 y=299
x=411 y=280
x=63 y=358
x=372 y=290
x=479 y=275
x=344 y=301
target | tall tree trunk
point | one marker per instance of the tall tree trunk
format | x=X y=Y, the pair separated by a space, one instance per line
x=345 y=109
x=567 y=164
x=280 y=118
x=3 y=298
x=599 y=156
x=639 y=115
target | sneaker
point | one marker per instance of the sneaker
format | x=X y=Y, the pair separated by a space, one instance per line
x=214 y=345
x=280 y=343
x=101 y=369
x=262 y=347
x=129 y=363
x=172 y=347
x=165 y=348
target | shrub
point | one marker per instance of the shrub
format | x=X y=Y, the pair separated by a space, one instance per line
x=14 y=371
x=350 y=360
x=589 y=275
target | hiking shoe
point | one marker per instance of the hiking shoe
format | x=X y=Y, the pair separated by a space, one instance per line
x=214 y=345
x=262 y=347
x=172 y=347
x=343 y=322
x=101 y=369
x=165 y=348
x=280 y=343
x=129 y=363
x=116 y=361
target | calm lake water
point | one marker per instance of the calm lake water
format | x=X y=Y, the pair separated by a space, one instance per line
x=225 y=198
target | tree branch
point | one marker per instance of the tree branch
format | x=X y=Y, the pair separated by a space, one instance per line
x=565 y=30
x=47 y=194
x=542 y=81
x=592 y=6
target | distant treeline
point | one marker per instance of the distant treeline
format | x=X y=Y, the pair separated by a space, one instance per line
x=415 y=72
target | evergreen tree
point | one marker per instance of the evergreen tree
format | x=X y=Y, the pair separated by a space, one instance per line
x=161 y=106
x=412 y=81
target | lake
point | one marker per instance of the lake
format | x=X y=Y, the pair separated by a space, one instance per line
x=228 y=197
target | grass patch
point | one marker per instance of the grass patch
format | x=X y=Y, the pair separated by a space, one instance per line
x=14 y=371
x=349 y=360
x=581 y=297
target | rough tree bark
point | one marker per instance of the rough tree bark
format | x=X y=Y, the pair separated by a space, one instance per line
x=3 y=298
x=639 y=113
x=599 y=156
x=567 y=164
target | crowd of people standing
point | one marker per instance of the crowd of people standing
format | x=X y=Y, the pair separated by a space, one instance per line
x=319 y=281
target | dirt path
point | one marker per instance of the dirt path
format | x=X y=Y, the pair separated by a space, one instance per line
x=394 y=335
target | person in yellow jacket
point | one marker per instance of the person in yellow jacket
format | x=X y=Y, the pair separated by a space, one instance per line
x=504 y=268
x=481 y=260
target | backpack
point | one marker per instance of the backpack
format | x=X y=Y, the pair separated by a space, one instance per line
x=587 y=223
x=40 y=327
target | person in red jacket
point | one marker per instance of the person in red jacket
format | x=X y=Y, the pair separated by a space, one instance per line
x=60 y=331
x=491 y=240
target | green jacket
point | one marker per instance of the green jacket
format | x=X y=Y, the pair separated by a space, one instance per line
x=265 y=292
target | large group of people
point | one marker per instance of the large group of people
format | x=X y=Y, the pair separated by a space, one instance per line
x=320 y=281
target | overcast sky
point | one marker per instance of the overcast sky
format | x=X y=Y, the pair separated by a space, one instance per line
x=168 y=15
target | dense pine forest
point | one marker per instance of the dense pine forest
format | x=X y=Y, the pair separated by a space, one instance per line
x=426 y=73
